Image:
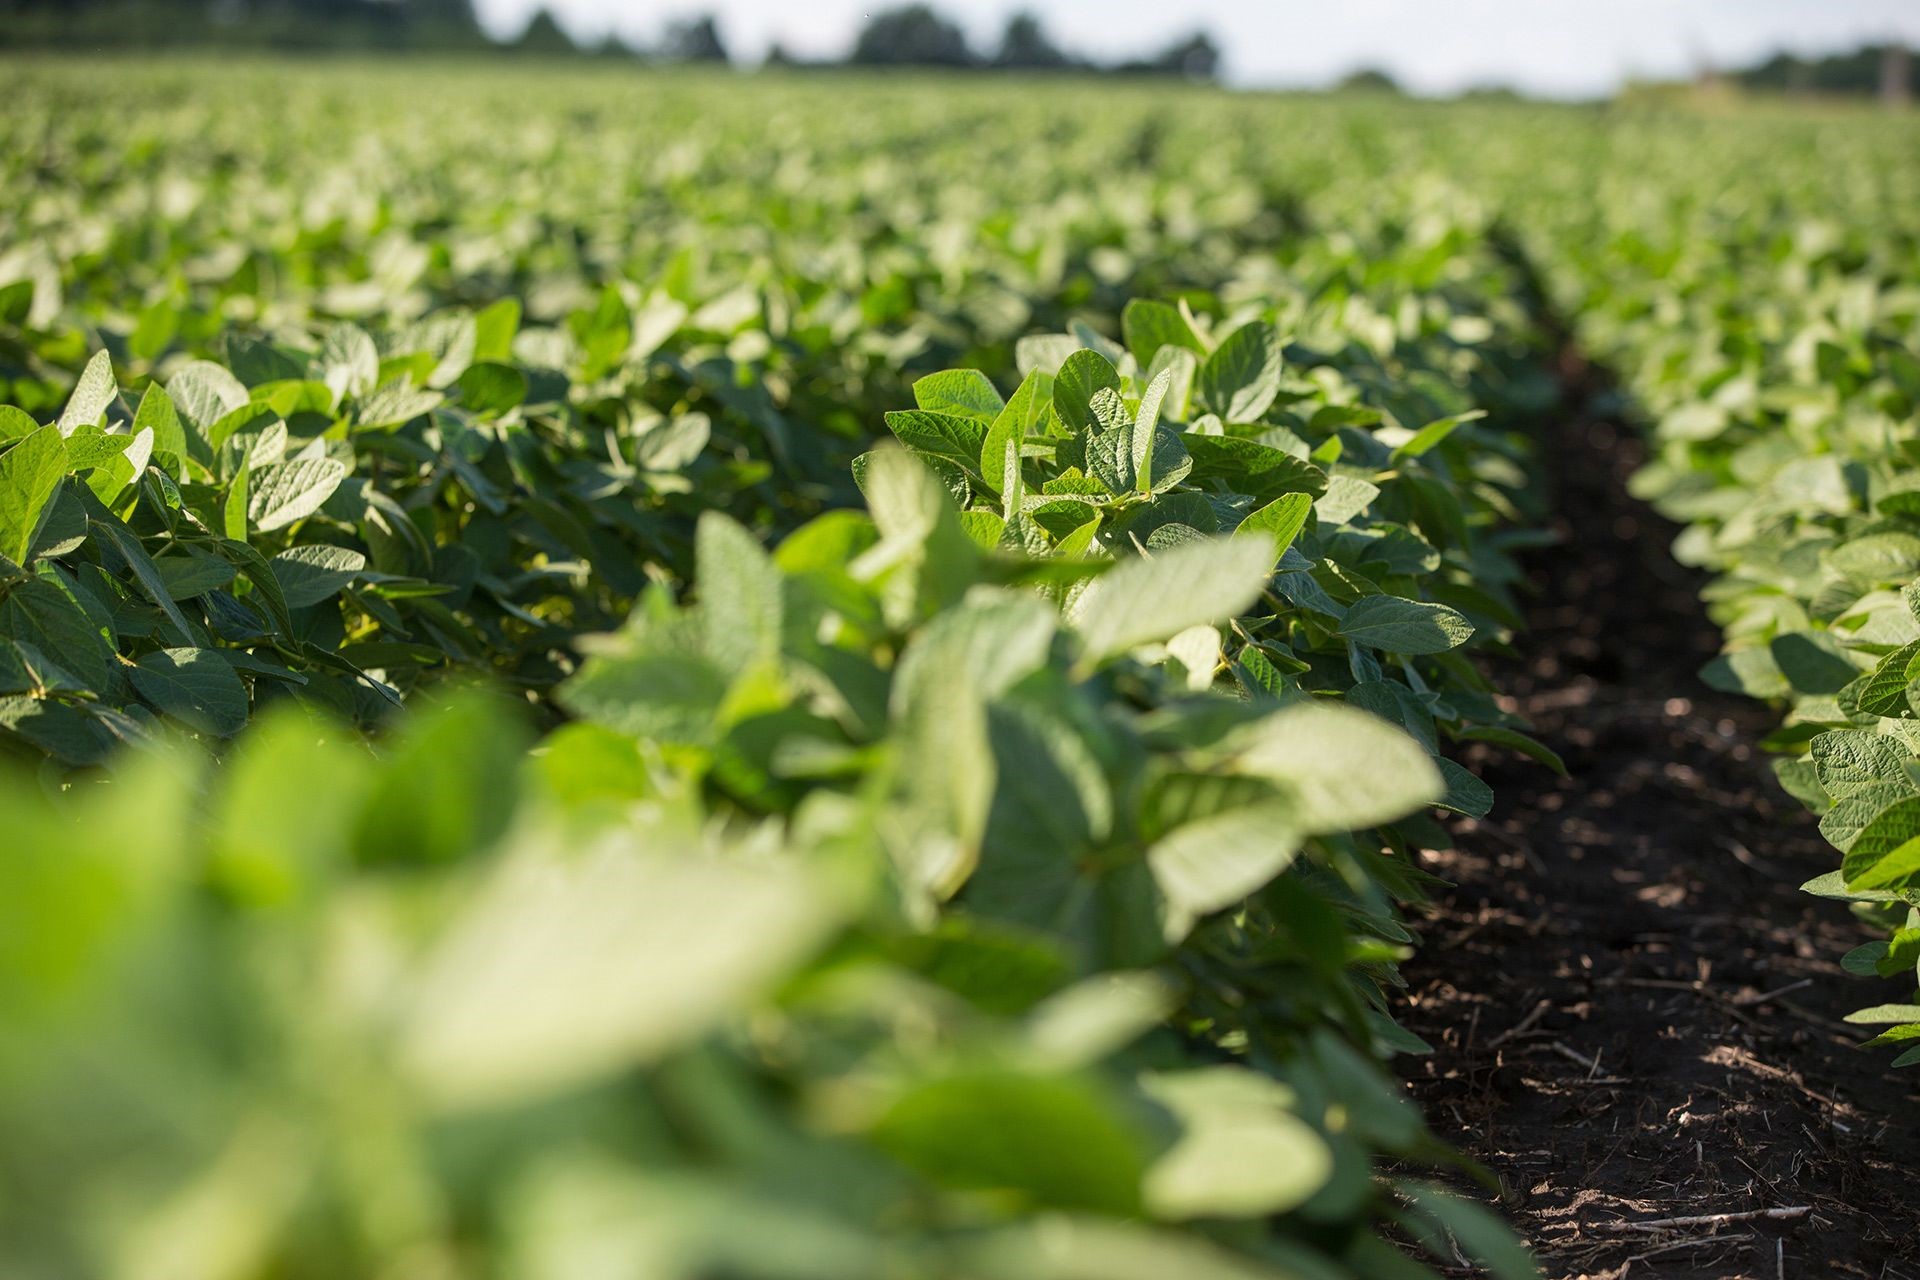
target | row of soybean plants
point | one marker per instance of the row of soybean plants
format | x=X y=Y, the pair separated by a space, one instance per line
x=1756 y=286
x=993 y=862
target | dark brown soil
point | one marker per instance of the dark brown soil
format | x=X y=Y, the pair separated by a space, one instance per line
x=1636 y=1011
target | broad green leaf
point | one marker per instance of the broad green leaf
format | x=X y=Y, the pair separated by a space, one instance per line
x=941 y=435
x=1885 y=1013
x=30 y=475
x=1813 y=662
x=1145 y=430
x=1886 y=852
x=91 y=395
x=203 y=392
x=107 y=527
x=1150 y=325
x=1344 y=769
x=964 y=393
x=572 y=964
x=1044 y=1141
x=1201 y=867
x=156 y=413
x=1151 y=598
x=1447 y=1224
x=1241 y=1152
x=491 y=389
x=1395 y=625
x=1850 y=759
x=310 y=574
x=290 y=491
x=197 y=687
x=1241 y=379
x=1257 y=470
x=1011 y=426
x=740 y=594
x=15 y=424
x=1434 y=434
x=1282 y=520
x=1083 y=375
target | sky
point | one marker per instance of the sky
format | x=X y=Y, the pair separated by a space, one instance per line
x=1560 y=48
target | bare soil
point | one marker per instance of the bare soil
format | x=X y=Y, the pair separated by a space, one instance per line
x=1636 y=1012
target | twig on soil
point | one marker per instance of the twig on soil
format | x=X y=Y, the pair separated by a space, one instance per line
x=1591 y=1064
x=1679 y=1246
x=1791 y=1214
x=1521 y=1027
x=1763 y=997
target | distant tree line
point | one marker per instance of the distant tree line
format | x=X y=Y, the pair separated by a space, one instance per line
x=290 y=24
x=1881 y=69
x=913 y=35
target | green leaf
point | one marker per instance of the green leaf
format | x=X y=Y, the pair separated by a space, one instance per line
x=30 y=475
x=1011 y=427
x=1257 y=470
x=1813 y=662
x=1203 y=866
x=1465 y=793
x=941 y=435
x=1145 y=430
x=1150 y=598
x=1514 y=740
x=1281 y=520
x=310 y=574
x=1447 y=1224
x=963 y=393
x=156 y=414
x=493 y=330
x=1241 y=1152
x=740 y=594
x=1849 y=760
x=1395 y=625
x=260 y=573
x=1082 y=376
x=1344 y=769
x=289 y=491
x=571 y=964
x=1150 y=325
x=108 y=528
x=1886 y=852
x=490 y=389
x=1885 y=1013
x=91 y=395
x=203 y=393
x=1883 y=691
x=190 y=573
x=1241 y=379
x=1433 y=434
x=1046 y=1141
x=15 y=424
x=197 y=687
x=657 y=696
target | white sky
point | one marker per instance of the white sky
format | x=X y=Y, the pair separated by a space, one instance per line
x=1561 y=47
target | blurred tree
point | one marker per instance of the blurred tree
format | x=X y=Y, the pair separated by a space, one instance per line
x=1026 y=46
x=544 y=34
x=1196 y=58
x=694 y=40
x=1863 y=71
x=911 y=36
x=1369 y=80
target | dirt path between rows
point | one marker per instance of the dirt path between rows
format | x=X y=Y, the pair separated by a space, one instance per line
x=1636 y=1011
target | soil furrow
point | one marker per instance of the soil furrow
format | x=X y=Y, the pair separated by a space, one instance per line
x=1635 y=1010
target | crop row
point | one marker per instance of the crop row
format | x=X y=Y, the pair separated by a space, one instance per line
x=863 y=660
x=984 y=854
